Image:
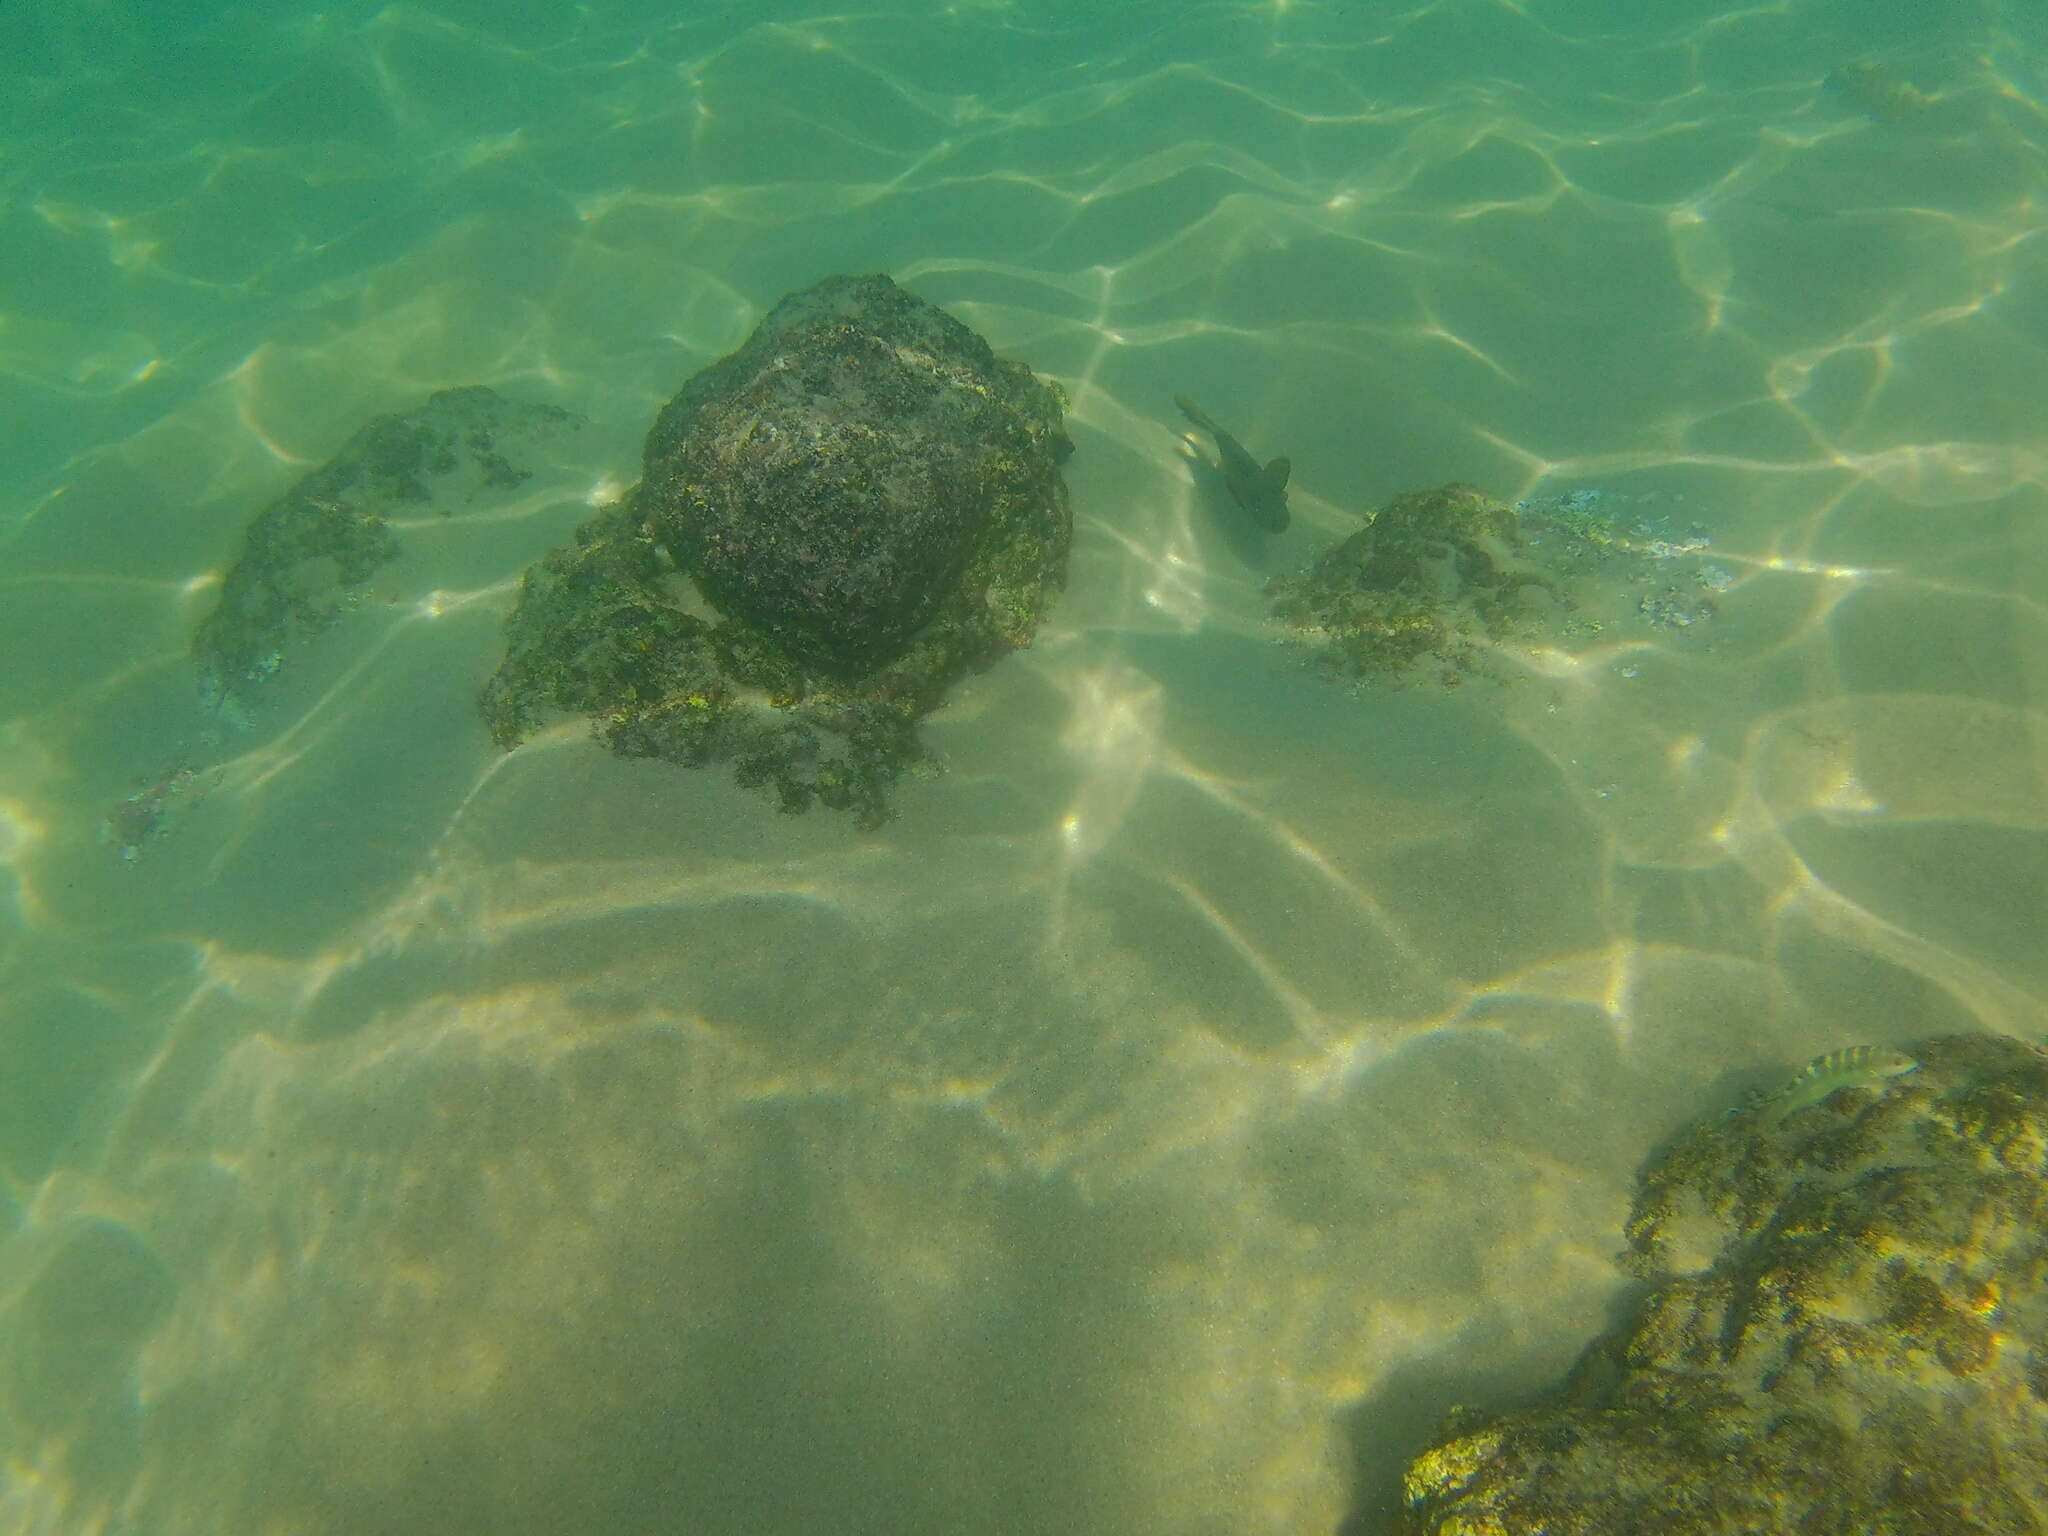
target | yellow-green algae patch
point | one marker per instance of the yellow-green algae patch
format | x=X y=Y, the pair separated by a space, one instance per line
x=1853 y=1342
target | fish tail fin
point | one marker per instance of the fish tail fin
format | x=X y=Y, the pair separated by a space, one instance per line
x=1194 y=413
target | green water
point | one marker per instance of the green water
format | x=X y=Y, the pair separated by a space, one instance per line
x=1210 y=1077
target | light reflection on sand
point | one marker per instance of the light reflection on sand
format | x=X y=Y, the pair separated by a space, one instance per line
x=1213 y=1074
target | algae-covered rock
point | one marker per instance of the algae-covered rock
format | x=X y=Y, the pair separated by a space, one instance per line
x=1848 y=1331
x=308 y=552
x=835 y=523
x=1437 y=580
x=829 y=482
x=1434 y=575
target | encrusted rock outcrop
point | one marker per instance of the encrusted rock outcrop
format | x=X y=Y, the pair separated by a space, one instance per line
x=1848 y=1331
x=834 y=524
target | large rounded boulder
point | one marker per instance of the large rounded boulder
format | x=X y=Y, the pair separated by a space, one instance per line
x=829 y=482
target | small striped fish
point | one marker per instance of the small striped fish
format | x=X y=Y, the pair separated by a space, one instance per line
x=1822 y=1076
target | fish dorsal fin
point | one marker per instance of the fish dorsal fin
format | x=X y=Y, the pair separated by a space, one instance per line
x=1278 y=470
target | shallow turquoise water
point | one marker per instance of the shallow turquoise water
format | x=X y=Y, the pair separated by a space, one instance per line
x=1213 y=1075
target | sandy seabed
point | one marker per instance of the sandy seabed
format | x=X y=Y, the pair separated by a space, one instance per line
x=1212 y=1075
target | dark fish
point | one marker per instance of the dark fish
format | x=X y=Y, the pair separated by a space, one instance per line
x=1260 y=490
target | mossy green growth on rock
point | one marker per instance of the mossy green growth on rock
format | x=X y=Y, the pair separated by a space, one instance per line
x=1430 y=579
x=307 y=554
x=834 y=524
x=1847 y=1335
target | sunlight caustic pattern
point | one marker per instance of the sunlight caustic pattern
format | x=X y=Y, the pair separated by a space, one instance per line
x=1215 y=1072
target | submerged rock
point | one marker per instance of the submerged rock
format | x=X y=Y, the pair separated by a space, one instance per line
x=139 y=818
x=1432 y=578
x=829 y=482
x=1848 y=1331
x=1436 y=581
x=1872 y=89
x=308 y=552
x=834 y=523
